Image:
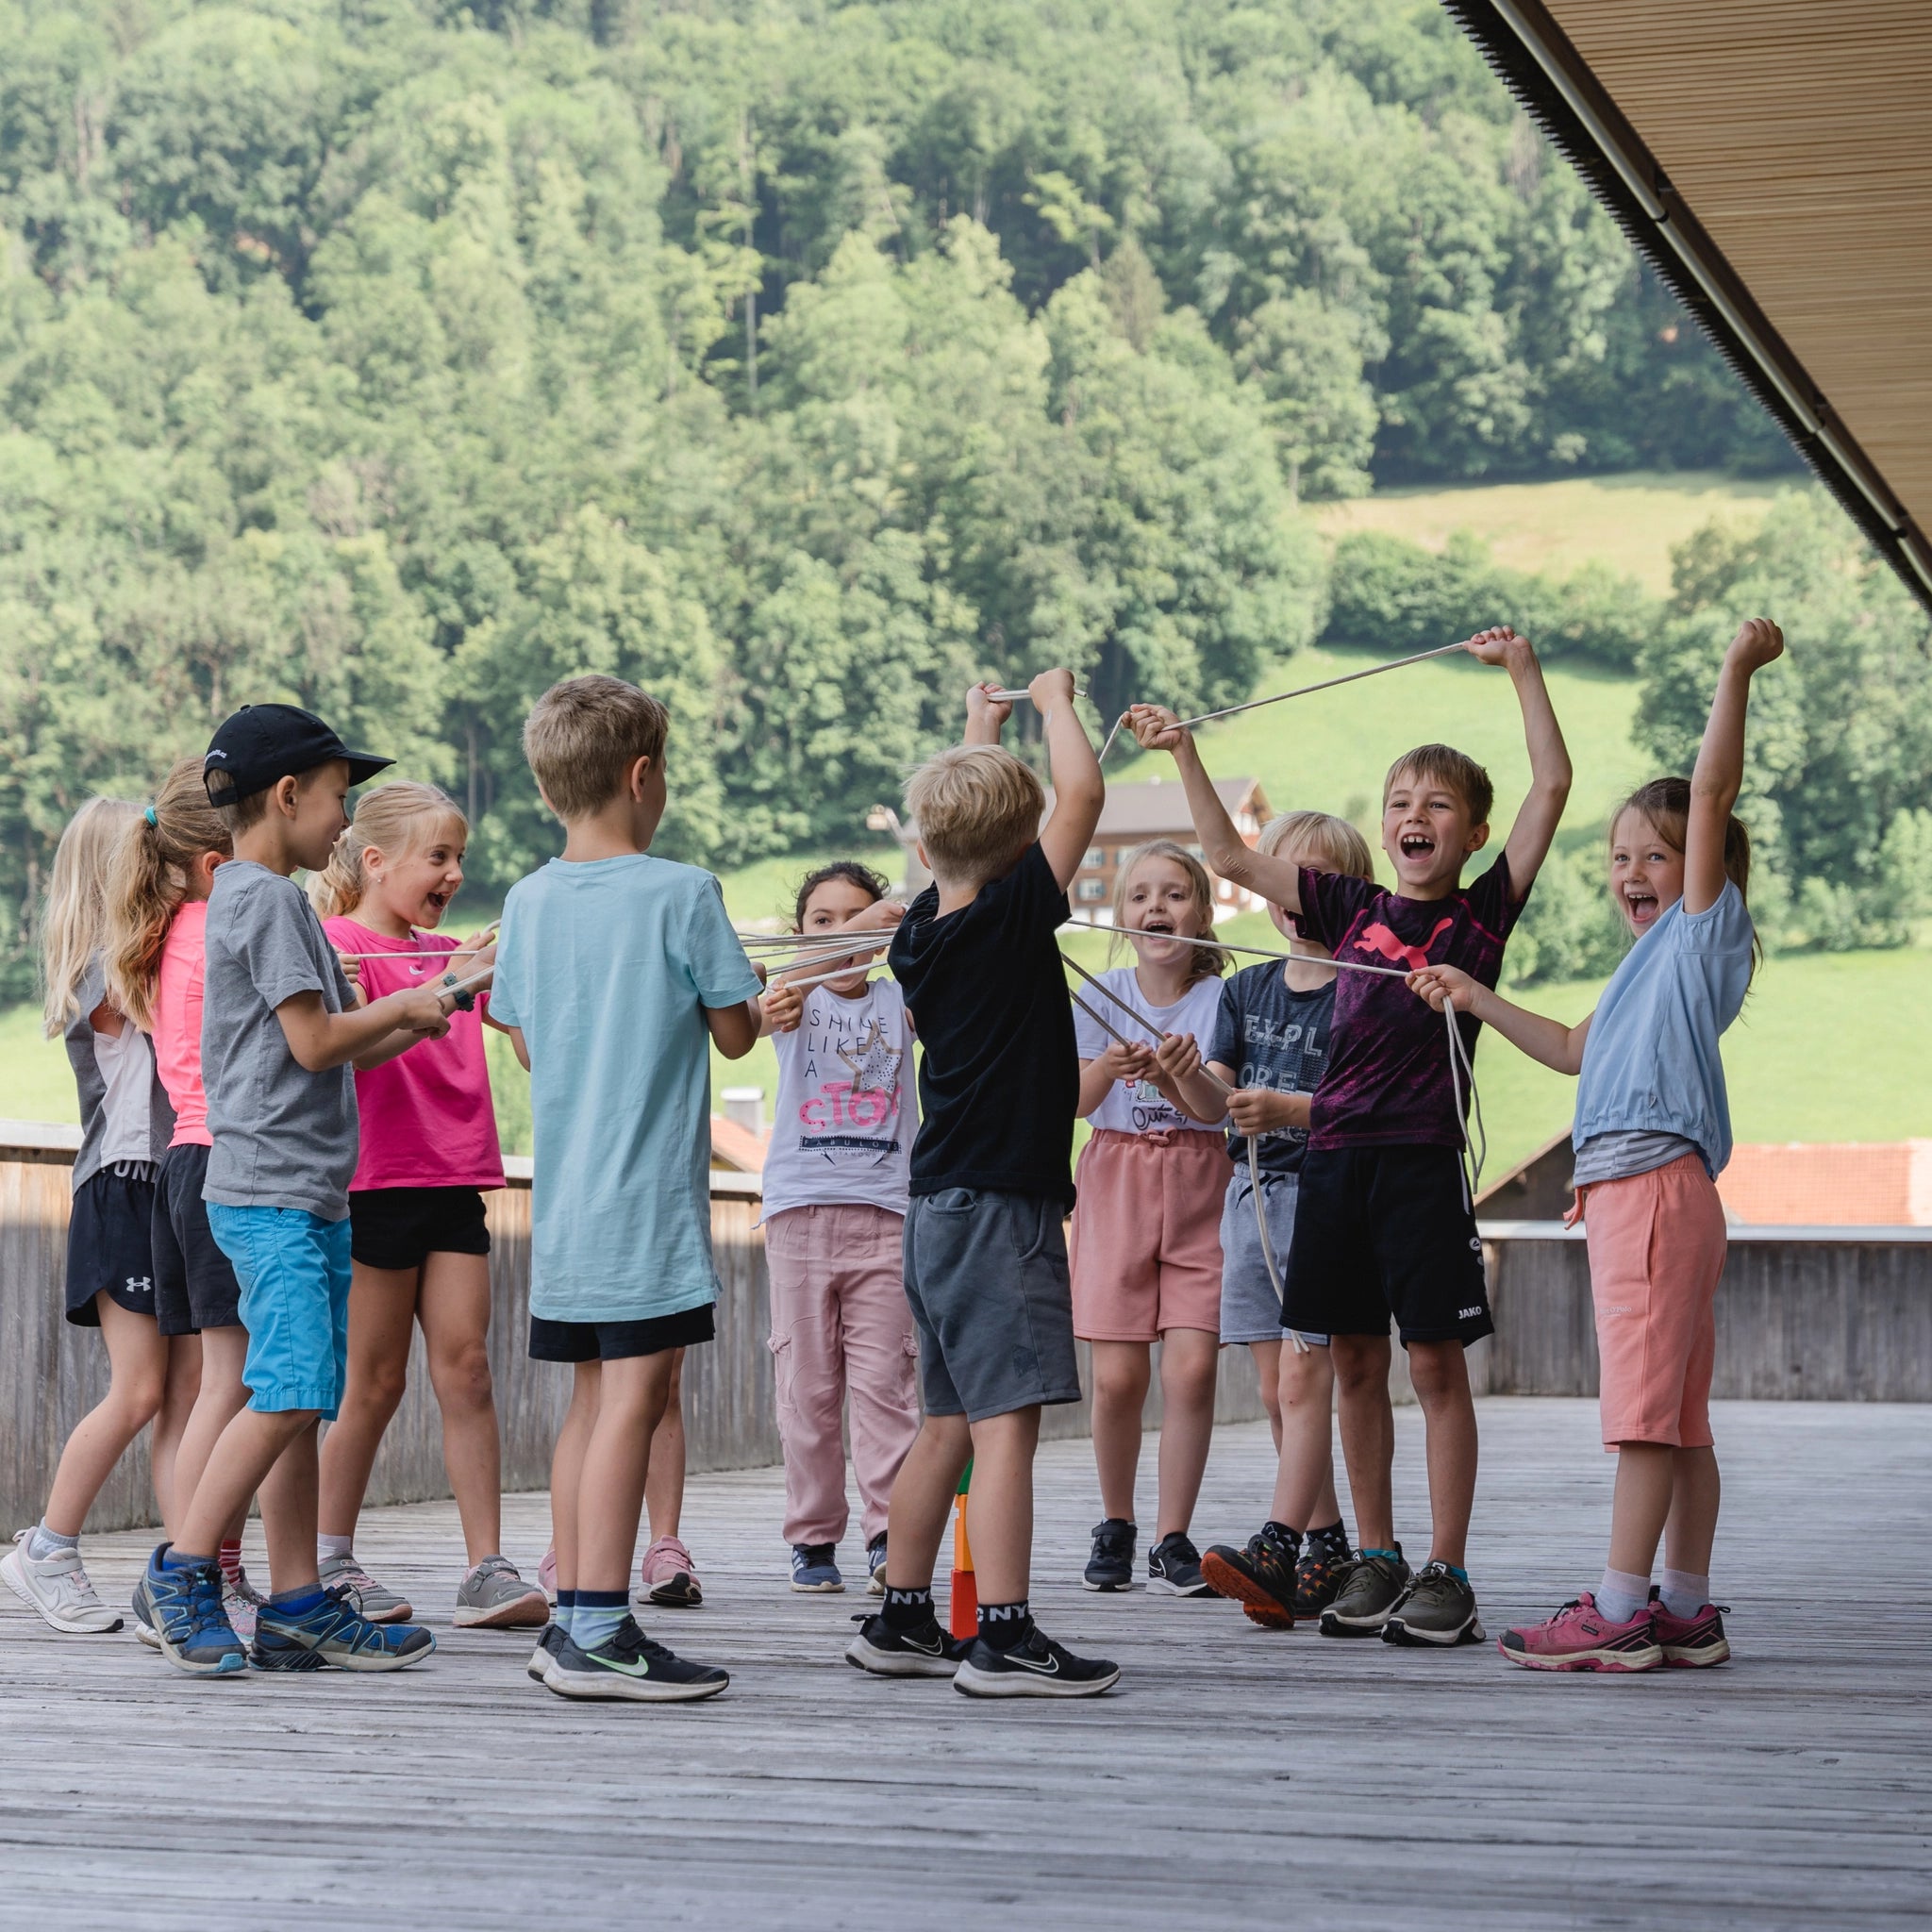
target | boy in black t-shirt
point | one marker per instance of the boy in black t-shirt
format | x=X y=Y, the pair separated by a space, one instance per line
x=985 y=1261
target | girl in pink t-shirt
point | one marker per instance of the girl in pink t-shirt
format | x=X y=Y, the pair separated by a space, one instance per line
x=418 y=1238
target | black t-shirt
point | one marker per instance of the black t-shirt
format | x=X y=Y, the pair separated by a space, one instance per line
x=1000 y=1081
x=1273 y=1036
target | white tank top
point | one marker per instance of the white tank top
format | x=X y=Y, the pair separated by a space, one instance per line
x=126 y=1060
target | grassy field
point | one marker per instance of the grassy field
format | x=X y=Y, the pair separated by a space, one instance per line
x=1629 y=521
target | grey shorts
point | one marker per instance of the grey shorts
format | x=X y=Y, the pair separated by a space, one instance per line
x=1249 y=1311
x=986 y=1274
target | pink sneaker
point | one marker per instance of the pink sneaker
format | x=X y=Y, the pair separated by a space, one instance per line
x=1580 y=1638
x=547 y=1577
x=666 y=1576
x=1690 y=1644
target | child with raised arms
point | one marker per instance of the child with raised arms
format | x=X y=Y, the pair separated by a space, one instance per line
x=1384 y=1226
x=986 y=1267
x=835 y=1199
x=1143 y=1255
x=418 y=1242
x=615 y=972
x=279 y=1035
x=1271 y=1044
x=1653 y=1133
x=126 y=1124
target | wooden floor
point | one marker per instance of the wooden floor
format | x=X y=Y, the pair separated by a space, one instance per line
x=1236 y=1778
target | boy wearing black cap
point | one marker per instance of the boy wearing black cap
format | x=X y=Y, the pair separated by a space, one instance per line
x=280 y=1033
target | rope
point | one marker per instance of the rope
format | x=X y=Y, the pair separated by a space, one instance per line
x=1282 y=696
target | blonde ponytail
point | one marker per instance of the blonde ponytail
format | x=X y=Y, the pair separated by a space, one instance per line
x=149 y=879
x=394 y=819
x=74 y=926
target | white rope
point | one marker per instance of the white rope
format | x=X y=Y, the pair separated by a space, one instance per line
x=1015 y=697
x=1282 y=696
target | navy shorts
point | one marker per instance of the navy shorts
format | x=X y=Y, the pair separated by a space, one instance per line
x=110 y=1249
x=194 y=1282
x=401 y=1227
x=616 y=1342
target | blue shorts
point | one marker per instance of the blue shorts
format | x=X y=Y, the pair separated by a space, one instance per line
x=1250 y=1311
x=294 y=1272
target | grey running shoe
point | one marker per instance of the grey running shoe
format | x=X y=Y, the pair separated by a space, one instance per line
x=1436 y=1608
x=493 y=1597
x=1371 y=1586
x=58 y=1587
x=367 y=1597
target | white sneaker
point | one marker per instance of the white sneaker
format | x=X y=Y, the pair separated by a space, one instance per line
x=58 y=1587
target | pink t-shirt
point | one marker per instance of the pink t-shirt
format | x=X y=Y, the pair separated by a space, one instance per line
x=427 y=1119
x=178 y=1023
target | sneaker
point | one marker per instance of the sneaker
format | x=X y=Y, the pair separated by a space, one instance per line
x=1262 y=1578
x=1689 y=1643
x=191 y=1629
x=1317 y=1576
x=334 y=1633
x=58 y=1587
x=876 y=1565
x=812 y=1568
x=924 y=1651
x=1580 y=1638
x=367 y=1598
x=1111 y=1565
x=495 y=1597
x=1173 y=1564
x=630 y=1665
x=144 y=1615
x=1369 y=1587
x=547 y=1577
x=1035 y=1667
x=242 y=1602
x=551 y=1641
x=667 y=1577
x=1436 y=1608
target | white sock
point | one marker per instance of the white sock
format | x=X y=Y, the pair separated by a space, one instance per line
x=46 y=1543
x=328 y=1546
x=1621 y=1594
x=1685 y=1595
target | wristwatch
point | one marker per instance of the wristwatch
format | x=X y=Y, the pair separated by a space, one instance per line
x=465 y=999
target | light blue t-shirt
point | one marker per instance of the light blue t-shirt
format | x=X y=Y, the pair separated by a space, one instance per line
x=1650 y=1063
x=606 y=966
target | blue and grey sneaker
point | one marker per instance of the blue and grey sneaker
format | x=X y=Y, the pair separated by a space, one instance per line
x=191 y=1629
x=333 y=1633
x=812 y=1568
x=876 y=1565
x=144 y=1615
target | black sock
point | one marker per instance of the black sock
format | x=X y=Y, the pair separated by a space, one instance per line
x=1281 y=1533
x=1335 y=1535
x=908 y=1609
x=1004 y=1625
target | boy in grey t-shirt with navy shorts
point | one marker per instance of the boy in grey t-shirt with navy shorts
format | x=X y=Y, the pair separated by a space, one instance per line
x=281 y=1034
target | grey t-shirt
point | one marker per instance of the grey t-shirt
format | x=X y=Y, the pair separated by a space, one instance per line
x=283 y=1136
x=1617 y=1155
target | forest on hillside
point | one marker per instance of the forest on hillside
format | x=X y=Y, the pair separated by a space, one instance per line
x=797 y=360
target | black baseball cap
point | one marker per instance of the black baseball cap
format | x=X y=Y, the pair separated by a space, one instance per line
x=261 y=744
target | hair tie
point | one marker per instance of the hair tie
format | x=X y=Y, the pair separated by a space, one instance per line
x=149 y=816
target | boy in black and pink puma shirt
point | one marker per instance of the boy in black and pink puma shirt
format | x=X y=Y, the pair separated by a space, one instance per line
x=1383 y=1225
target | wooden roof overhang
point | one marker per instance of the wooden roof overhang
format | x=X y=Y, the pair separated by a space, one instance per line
x=1772 y=159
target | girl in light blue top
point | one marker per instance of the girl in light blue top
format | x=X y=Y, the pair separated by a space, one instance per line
x=1652 y=1132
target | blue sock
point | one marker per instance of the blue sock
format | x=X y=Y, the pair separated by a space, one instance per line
x=298 y=1603
x=44 y=1542
x=1460 y=1575
x=1393 y=1555
x=595 y=1616
x=566 y=1605
x=172 y=1559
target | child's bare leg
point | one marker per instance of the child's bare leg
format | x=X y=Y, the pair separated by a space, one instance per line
x=1439 y=1371
x=610 y=1492
x=1190 y=1358
x=250 y=1446
x=1645 y=1482
x=1120 y=1375
x=922 y=1501
x=1691 y=1526
x=1268 y=1374
x=454 y=1306
x=137 y=1377
x=999 y=1508
x=382 y=1318
x=288 y=1509
x=567 y=1469
x=221 y=1398
x=664 y=1479
x=1368 y=1434
x=1304 y=1483
x=182 y=1385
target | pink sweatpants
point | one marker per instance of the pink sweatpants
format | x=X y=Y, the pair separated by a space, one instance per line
x=841 y=1329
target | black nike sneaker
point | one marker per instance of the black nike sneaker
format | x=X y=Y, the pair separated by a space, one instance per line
x=550 y=1640
x=924 y=1651
x=1111 y=1565
x=1261 y=1577
x=1174 y=1565
x=629 y=1665
x=1033 y=1667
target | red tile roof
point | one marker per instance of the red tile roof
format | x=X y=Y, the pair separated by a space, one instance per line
x=736 y=1147
x=1869 y=1184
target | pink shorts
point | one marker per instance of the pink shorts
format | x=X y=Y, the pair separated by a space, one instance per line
x=1145 y=1253
x=1657 y=1254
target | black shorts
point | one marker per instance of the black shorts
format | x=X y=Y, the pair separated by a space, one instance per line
x=108 y=1249
x=399 y=1227
x=1382 y=1231
x=194 y=1282
x=616 y=1342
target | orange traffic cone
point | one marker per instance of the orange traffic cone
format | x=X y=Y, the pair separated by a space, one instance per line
x=962 y=1609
